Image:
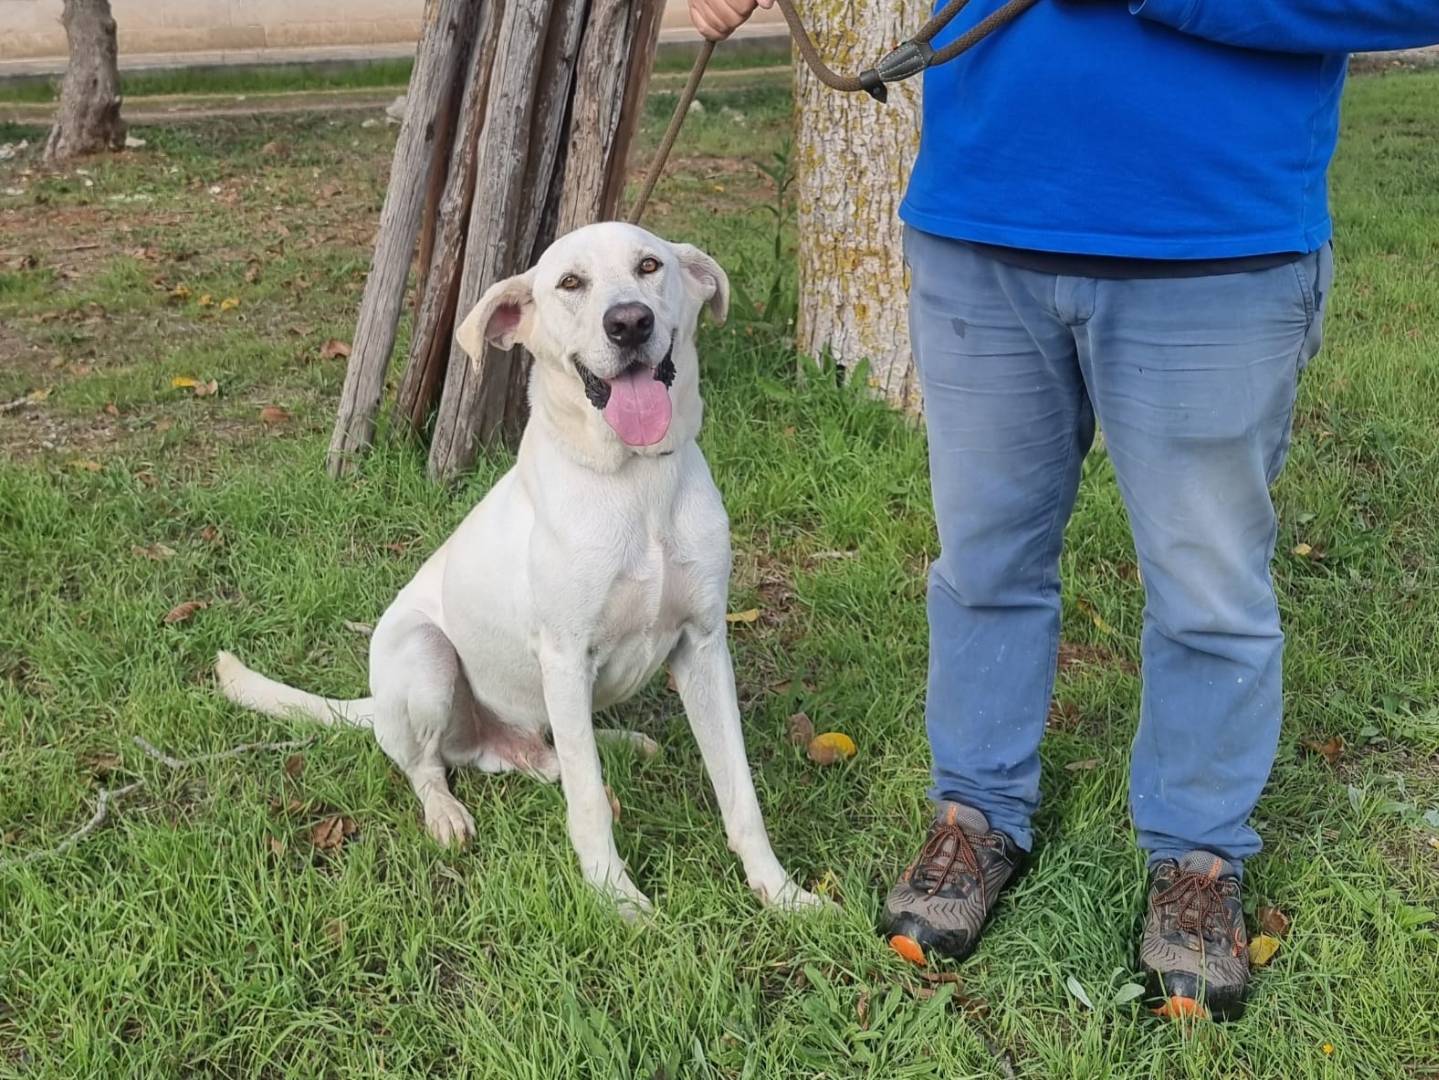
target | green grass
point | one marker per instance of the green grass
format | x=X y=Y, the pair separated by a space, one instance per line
x=240 y=79
x=199 y=933
x=348 y=75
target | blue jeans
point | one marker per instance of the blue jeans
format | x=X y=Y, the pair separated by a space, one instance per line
x=1193 y=381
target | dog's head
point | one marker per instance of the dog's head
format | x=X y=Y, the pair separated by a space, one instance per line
x=613 y=310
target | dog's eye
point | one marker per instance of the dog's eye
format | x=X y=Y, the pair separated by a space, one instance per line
x=649 y=264
x=570 y=282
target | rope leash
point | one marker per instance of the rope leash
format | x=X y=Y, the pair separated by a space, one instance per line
x=903 y=62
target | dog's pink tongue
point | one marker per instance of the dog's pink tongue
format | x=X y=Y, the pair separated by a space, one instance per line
x=639 y=407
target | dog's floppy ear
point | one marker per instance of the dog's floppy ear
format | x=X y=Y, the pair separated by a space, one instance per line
x=500 y=318
x=705 y=279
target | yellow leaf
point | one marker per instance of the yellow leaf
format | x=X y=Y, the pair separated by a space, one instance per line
x=38 y=395
x=1094 y=616
x=229 y=303
x=205 y=300
x=180 y=292
x=183 y=382
x=831 y=747
x=1262 y=950
x=742 y=616
x=1303 y=550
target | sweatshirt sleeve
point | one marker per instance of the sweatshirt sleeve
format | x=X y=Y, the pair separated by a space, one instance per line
x=1301 y=26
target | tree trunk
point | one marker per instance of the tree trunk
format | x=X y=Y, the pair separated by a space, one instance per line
x=445 y=43
x=88 y=120
x=852 y=158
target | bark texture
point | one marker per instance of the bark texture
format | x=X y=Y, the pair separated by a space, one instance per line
x=852 y=158
x=445 y=43
x=88 y=120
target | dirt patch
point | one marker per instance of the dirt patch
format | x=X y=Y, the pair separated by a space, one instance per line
x=1074 y=656
x=1369 y=63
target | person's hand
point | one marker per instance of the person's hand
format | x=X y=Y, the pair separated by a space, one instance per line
x=718 y=19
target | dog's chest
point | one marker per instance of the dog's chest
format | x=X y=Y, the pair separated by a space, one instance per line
x=645 y=612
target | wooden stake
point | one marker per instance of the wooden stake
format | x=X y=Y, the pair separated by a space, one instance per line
x=445 y=42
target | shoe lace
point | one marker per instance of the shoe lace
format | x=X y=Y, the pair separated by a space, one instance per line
x=949 y=842
x=1196 y=901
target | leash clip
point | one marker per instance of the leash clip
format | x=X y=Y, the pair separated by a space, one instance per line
x=903 y=62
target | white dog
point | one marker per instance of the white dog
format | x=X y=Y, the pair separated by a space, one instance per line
x=602 y=555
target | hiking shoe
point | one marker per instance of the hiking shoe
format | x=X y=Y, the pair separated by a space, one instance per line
x=943 y=899
x=1193 y=949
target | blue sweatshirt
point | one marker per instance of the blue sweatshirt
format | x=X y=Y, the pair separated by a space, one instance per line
x=1156 y=129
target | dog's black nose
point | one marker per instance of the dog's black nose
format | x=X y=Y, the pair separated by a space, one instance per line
x=629 y=325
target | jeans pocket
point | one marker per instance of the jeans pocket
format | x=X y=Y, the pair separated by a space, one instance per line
x=1317 y=280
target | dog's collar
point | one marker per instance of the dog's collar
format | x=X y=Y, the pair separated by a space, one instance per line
x=598 y=391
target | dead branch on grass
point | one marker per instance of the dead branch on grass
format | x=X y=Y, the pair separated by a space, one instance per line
x=110 y=796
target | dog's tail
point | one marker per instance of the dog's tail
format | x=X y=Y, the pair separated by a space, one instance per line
x=255 y=691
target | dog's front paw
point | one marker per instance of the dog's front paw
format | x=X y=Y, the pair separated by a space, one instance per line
x=631 y=904
x=447 y=820
x=790 y=897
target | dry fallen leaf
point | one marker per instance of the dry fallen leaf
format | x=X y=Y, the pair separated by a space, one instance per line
x=614 y=803
x=180 y=292
x=1063 y=715
x=1094 y=616
x=153 y=551
x=86 y=464
x=1082 y=766
x=748 y=616
x=1262 y=950
x=207 y=389
x=330 y=190
x=206 y=300
x=290 y=806
x=211 y=535
x=102 y=764
x=273 y=414
x=229 y=303
x=1273 y=921
x=294 y=765
x=39 y=394
x=831 y=747
x=276 y=846
x=359 y=627
x=332 y=832
x=252 y=273
x=335 y=930
x=164 y=424
x=861 y=1009
x=1303 y=550
x=801 y=729
x=184 y=382
x=1330 y=749
x=111 y=409
x=333 y=348
x=180 y=612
